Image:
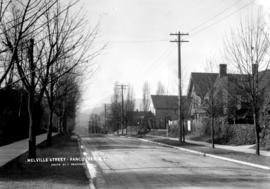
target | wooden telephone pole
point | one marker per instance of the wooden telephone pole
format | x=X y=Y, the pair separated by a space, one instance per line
x=106 y=127
x=179 y=41
x=122 y=87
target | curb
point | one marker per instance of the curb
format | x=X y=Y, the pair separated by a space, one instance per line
x=263 y=153
x=90 y=174
x=208 y=155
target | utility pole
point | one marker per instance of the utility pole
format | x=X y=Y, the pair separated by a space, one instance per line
x=106 y=106
x=105 y=116
x=122 y=87
x=179 y=41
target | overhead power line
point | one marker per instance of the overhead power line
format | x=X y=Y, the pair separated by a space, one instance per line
x=223 y=18
x=140 y=41
x=164 y=53
x=196 y=28
x=200 y=27
x=214 y=17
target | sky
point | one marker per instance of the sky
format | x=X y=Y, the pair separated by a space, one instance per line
x=138 y=47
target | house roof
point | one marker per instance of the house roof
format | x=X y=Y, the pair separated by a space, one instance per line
x=264 y=78
x=166 y=101
x=237 y=77
x=201 y=82
x=238 y=84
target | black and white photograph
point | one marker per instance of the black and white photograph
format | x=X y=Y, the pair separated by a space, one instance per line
x=134 y=94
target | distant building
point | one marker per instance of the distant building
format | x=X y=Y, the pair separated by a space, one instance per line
x=136 y=118
x=166 y=109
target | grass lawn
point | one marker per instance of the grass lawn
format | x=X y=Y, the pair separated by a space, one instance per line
x=49 y=173
x=252 y=158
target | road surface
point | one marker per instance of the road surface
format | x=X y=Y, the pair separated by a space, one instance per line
x=131 y=163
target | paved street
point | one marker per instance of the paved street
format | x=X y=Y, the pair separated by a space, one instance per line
x=131 y=163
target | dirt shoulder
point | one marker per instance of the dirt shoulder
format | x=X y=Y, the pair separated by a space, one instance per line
x=58 y=166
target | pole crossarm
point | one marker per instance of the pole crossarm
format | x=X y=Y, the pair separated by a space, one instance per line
x=122 y=85
x=179 y=33
x=182 y=41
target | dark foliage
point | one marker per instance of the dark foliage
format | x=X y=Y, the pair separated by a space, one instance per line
x=14 y=115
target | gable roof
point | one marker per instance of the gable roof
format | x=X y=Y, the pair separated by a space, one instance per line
x=169 y=102
x=201 y=82
x=165 y=101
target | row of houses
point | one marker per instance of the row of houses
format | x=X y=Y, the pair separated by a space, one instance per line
x=230 y=93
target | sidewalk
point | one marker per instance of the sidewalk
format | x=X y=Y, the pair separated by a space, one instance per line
x=65 y=171
x=241 y=148
x=13 y=150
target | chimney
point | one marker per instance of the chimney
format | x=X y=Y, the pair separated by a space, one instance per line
x=254 y=68
x=222 y=70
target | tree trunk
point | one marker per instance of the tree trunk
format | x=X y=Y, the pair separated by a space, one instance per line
x=49 y=133
x=212 y=132
x=257 y=133
x=184 y=131
x=31 y=96
x=64 y=122
x=64 y=117
x=58 y=125
x=32 y=136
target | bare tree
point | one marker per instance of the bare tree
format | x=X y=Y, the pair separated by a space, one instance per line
x=211 y=104
x=62 y=101
x=146 y=97
x=94 y=124
x=115 y=109
x=66 y=98
x=36 y=35
x=4 y=67
x=248 y=49
x=18 y=28
x=66 y=48
x=130 y=100
x=160 y=89
x=129 y=105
